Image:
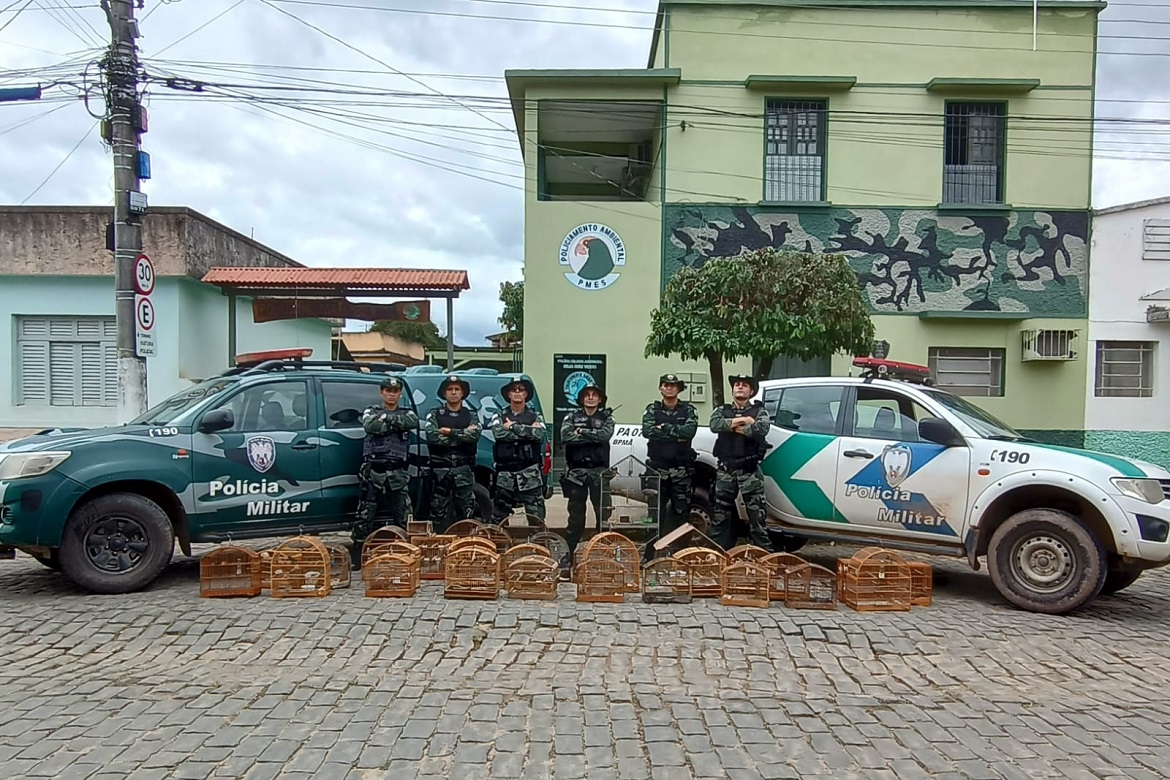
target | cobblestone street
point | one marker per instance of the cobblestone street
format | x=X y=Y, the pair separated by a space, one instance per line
x=163 y=684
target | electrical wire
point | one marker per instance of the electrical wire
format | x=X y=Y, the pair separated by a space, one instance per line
x=213 y=19
x=63 y=161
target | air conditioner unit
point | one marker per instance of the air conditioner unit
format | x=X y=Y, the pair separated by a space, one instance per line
x=1048 y=344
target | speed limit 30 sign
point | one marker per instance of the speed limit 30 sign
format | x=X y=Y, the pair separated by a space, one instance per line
x=143 y=307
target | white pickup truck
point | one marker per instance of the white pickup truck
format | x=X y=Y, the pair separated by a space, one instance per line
x=906 y=466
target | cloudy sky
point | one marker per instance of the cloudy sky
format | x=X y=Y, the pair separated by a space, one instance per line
x=426 y=173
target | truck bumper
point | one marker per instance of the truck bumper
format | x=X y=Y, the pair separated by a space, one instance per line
x=33 y=511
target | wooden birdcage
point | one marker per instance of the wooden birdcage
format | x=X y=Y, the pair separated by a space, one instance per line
x=531 y=577
x=875 y=580
x=518 y=551
x=340 y=566
x=265 y=553
x=619 y=548
x=498 y=536
x=921 y=583
x=706 y=567
x=377 y=542
x=601 y=579
x=631 y=501
x=465 y=528
x=434 y=553
x=556 y=545
x=419 y=528
x=406 y=549
x=744 y=584
x=470 y=542
x=391 y=576
x=778 y=565
x=229 y=571
x=472 y=572
x=300 y=569
x=809 y=586
x=666 y=581
x=747 y=552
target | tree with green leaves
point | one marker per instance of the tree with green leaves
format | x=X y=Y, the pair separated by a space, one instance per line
x=512 y=296
x=762 y=304
x=424 y=333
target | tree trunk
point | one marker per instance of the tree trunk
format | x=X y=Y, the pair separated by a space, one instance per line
x=715 y=364
x=764 y=366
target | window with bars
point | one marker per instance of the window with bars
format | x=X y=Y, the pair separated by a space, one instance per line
x=794 y=153
x=968 y=371
x=974 y=152
x=1125 y=369
x=66 y=361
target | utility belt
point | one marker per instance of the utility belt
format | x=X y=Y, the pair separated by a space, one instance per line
x=382 y=465
x=451 y=461
x=740 y=465
x=513 y=468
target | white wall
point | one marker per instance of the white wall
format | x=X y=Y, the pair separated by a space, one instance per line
x=191 y=333
x=1118 y=279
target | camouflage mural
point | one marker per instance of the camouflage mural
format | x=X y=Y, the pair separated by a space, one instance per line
x=909 y=260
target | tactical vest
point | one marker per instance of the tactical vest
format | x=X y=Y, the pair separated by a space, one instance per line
x=387 y=450
x=458 y=454
x=517 y=455
x=669 y=454
x=588 y=454
x=735 y=450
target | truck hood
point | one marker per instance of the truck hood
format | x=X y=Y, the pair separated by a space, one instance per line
x=64 y=438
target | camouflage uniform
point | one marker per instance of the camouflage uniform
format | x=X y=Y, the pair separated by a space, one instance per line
x=384 y=476
x=586 y=439
x=669 y=432
x=452 y=458
x=739 y=470
x=518 y=453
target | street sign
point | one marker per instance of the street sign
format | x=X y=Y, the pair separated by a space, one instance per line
x=137 y=202
x=143 y=275
x=144 y=326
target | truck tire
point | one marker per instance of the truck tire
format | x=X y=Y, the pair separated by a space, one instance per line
x=702 y=512
x=1044 y=560
x=1120 y=577
x=116 y=543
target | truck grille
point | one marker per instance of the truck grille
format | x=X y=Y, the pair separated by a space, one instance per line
x=1165 y=483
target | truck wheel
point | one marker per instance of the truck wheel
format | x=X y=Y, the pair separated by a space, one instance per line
x=702 y=514
x=1119 y=578
x=1043 y=560
x=116 y=543
x=483 y=502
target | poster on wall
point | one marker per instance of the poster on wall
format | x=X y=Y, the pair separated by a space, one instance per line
x=570 y=374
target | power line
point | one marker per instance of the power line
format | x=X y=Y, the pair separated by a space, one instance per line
x=63 y=161
x=215 y=18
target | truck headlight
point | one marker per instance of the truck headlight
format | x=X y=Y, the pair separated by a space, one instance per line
x=1148 y=490
x=15 y=465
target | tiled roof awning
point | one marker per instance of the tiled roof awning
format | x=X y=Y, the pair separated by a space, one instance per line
x=366 y=282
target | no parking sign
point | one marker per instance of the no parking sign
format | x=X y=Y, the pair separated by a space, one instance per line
x=144 y=343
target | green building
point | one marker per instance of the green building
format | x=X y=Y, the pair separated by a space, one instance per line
x=944 y=146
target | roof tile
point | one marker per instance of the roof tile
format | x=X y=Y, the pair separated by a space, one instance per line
x=385 y=279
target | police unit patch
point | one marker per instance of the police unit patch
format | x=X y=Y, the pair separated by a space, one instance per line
x=896 y=461
x=261 y=453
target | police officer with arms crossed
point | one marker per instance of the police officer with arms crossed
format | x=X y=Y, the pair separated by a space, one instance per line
x=452 y=433
x=742 y=429
x=383 y=474
x=586 y=433
x=669 y=426
x=519 y=432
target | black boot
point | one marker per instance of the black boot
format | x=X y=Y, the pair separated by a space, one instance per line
x=355 y=557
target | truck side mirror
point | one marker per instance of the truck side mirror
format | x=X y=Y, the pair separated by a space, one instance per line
x=217 y=420
x=939 y=431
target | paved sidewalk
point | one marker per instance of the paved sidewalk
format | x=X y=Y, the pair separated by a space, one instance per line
x=163 y=684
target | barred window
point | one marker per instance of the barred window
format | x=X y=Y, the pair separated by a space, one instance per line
x=66 y=361
x=968 y=371
x=1125 y=369
x=974 y=153
x=794 y=154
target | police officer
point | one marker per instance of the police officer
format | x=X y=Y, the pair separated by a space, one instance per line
x=586 y=433
x=669 y=426
x=383 y=474
x=742 y=428
x=519 y=432
x=452 y=433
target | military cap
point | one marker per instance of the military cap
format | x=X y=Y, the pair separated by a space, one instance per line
x=672 y=379
x=588 y=387
x=391 y=383
x=529 y=389
x=454 y=380
x=751 y=380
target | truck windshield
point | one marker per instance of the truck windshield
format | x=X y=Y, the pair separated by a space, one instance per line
x=170 y=410
x=984 y=424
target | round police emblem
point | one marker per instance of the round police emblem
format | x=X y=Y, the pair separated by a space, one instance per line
x=573 y=384
x=594 y=255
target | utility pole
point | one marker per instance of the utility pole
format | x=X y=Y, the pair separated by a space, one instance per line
x=124 y=118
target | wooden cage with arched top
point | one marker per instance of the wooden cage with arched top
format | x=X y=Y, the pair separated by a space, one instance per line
x=340 y=566
x=747 y=552
x=921 y=583
x=666 y=581
x=465 y=528
x=778 y=566
x=556 y=545
x=434 y=554
x=744 y=583
x=517 y=551
x=300 y=569
x=472 y=571
x=619 y=548
x=809 y=586
x=875 y=580
x=496 y=535
x=601 y=579
x=391 y=576
x=230 y=571
x=531 y=577
x=376 y=543
x=471 y=542
x=706 y=567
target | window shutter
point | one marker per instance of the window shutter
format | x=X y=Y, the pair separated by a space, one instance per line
x=63 y=374
x=110 y=374
x=33 y=387
x=62 y=328
x=92 y=372
x=30 y=328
